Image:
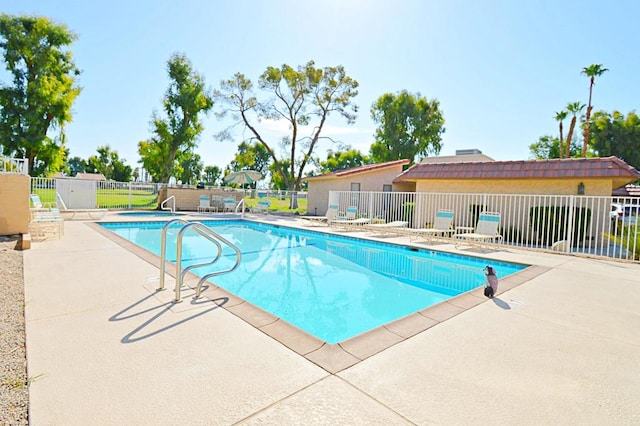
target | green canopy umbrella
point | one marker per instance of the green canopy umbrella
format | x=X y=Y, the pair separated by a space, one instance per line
x=243 y=177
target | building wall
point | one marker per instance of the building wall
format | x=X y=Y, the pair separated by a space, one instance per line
x=318 y=192
x=14 y=204
x=593 y=187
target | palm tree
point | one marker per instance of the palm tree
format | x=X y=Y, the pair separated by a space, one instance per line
x=574 y=108
x=560 y=116
x=592 y=71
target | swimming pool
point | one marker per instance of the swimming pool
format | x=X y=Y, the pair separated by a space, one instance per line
x=332 y=286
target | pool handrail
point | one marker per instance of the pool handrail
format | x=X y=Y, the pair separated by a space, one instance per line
x=172 y=209
x=212 y=236
x=204 y=231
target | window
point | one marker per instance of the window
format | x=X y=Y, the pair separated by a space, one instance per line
x=355 y=187
x=387 y=188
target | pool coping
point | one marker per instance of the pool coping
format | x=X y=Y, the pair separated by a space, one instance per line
x=333 y=358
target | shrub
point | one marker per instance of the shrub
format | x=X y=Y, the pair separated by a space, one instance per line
x=549 y=223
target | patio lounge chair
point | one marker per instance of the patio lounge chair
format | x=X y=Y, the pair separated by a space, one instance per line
x=349 y=220
x=486 y=230
x=92 y=213
x=45 y=221
x=332 y=213
x=262 y=206
x=394 y=227
x=442 y=226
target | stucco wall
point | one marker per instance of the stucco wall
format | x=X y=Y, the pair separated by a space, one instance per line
x=318 y=192
x=14 y=204
x=188 y=199
x=593 y=187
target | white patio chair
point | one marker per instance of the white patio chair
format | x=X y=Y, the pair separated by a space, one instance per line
x=486 y=230
x=394 y=227
x=332 y=214
x=96 y=213
x=262 y=206
x=442 y=226
x=44 y=221
x=229 y=204
x=205 y=204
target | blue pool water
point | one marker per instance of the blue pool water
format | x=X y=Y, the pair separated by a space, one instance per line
x=333 y=287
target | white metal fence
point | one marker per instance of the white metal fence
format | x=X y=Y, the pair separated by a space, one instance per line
x=104 y=194
x=571 y=224
x=123 y=195
x=14 y=165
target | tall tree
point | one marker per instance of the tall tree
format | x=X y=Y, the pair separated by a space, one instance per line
x=341 y=160
x=251 y=156
x=574 y=108
x=592 y=71
x=408 y=125
x=179 y=129
x=617 y=135
x=306 y=96
x=189 y=167
x=39 y=98
x=108 y=163
x=548 y=148
x=212 y=174
x=76 y=165
x=560 y=117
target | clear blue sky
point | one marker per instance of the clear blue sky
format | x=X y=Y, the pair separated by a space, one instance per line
x=500 y=68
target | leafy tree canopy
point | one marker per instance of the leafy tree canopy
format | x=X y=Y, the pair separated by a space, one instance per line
x=341 y=160
x=212 y=174
x=108 y=163
x=178 y=130
x=189 y=167
x=39 y=98
x=408 y=126
x=76 y=165
x=548 y=147
x=251 y=157
x=617 y=135
x=305 y=96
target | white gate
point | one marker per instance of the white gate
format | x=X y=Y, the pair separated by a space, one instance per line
x=78 y=193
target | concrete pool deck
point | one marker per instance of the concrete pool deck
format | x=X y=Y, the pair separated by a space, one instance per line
x=103 y=347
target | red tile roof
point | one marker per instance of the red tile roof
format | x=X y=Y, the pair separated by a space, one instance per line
x=611 y=167
x=360 y=169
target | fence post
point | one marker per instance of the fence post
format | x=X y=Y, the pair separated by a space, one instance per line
x=570 y=225
x=130 y=196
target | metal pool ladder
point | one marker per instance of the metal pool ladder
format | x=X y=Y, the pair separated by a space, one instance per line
x=205 y=232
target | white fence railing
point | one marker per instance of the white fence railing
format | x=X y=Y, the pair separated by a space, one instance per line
x=572 y=224
x=18 y=166
x=106 y=194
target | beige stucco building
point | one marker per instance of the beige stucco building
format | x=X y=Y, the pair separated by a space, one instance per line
x=572 y=176
x=371 y=177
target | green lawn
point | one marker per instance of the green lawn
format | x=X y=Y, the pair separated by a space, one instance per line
x=110 y=198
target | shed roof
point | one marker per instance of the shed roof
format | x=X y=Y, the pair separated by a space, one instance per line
x=606 y=167
x=90 y=176
x=367 y=168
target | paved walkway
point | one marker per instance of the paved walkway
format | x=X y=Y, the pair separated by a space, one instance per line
x=103 y=348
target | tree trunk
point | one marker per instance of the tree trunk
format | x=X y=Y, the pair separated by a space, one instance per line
x=587 y=126
x=569 y=136
x=561 y=145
